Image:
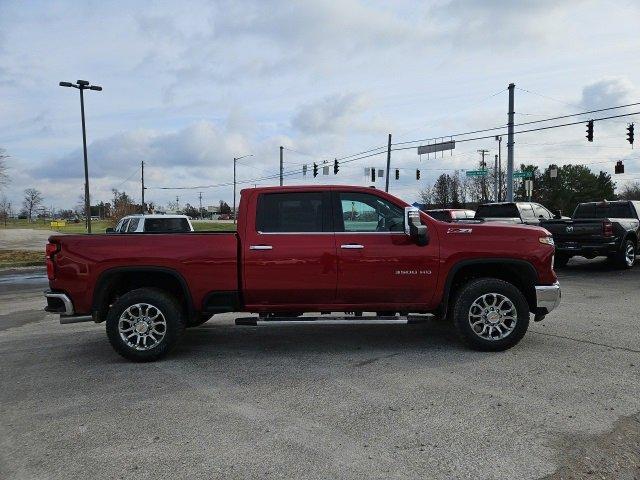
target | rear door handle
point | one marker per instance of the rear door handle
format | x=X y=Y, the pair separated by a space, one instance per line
x=260 y=247
x=352 y=246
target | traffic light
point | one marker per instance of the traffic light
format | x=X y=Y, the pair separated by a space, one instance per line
x=619 y=167
x=373 y=174
x=335 y=167
x=315 y=170
x=630 y=134
x=397 y=174
x=590 y=130
x=418 y=174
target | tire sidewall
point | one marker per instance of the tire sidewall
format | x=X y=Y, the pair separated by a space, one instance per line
x=622 y=259
x=165 y=303
x=476 y=288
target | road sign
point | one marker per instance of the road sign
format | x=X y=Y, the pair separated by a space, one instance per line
x=477 y=173
x=524 y=174
x=437 y=147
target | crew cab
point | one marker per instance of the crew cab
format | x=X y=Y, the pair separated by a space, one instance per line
x=306 y=249
x=598 y=229
x=152 y=223
x=529 y=213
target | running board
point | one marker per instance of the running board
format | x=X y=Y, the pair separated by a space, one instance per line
x=277 y=321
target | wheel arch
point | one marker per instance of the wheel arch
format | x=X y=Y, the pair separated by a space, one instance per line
x=521 y=273
x=118 y=280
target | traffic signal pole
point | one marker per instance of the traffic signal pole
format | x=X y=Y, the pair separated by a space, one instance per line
x=87 y=201
x=510 y=142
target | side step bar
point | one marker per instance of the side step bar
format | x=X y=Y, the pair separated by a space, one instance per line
x=277 y=321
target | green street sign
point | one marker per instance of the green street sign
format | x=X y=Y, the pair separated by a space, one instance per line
x=477 y=173
x=525 y=174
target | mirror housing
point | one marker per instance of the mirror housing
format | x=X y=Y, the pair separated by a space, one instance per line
x=557 y=214
x=110 y=230
x=414 y=228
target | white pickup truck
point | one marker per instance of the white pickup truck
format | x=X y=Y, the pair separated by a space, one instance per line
x=153 y=223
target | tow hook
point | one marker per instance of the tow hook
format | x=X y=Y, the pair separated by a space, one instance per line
x=539 y=317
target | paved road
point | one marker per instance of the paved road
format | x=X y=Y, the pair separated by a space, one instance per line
x=327 y=402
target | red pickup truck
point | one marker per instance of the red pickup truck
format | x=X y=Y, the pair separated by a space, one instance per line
x=306 y=249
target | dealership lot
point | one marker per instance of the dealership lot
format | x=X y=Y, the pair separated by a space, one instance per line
x=327 y=402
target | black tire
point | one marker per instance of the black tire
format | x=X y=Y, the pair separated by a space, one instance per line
x=621 y=259
x=168 y=306
x=560 y=260
x=473 y=291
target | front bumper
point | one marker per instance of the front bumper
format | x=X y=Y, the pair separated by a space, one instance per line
x=547 y=298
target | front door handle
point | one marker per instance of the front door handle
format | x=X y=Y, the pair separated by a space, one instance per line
x=260 y=247
x=352 y=246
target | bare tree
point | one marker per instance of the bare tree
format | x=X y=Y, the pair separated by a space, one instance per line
x=32 y=200
x=631 y=191
x=5 y=209
x=4 y=177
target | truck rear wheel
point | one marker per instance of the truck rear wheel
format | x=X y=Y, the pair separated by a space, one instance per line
x=626 y=256
x=490 y=314
x=144 y=324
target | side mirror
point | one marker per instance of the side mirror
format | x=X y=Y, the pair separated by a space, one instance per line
x=110 y=230
x=557 y=214
x=414 y=228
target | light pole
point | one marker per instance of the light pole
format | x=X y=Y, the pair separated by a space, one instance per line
x=83 y=85
x=234 y=184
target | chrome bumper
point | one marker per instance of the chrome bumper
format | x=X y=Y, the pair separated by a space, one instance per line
x=64 y=308
x=548 y=297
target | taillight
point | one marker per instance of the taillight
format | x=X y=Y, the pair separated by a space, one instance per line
x=50 y=251
x=607 y=229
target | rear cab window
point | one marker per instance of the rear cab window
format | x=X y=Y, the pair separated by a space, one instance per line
x=604 y=210
x=497 y=211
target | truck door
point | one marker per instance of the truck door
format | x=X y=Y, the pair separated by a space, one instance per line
x=289 y=254
x=377 y=262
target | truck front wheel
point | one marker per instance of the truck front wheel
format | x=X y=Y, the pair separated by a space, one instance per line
x=144 y=324
x=490 y=314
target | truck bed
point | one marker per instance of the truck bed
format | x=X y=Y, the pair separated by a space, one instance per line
x=206 y=261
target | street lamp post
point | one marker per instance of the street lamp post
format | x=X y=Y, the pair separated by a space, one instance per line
x=499 y=179
x=235 y=160
x=83 y=85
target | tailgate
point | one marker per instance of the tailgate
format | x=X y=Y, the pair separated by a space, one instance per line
x=578 y=231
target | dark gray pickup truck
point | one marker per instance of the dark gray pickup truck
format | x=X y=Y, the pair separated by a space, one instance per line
x=598 y=229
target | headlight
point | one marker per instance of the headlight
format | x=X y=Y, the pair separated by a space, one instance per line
x=547 y=240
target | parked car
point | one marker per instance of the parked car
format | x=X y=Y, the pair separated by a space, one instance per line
x=598 y=229
x=153 y=224
x=450 y=214
x=306 y=249
x=529 y=213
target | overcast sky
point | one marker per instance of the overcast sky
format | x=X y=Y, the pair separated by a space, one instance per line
x=189 y=85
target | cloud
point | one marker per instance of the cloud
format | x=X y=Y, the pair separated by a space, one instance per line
x=606 y=93
x=332 y=114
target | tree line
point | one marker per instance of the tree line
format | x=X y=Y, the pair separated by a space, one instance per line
x=568 y=186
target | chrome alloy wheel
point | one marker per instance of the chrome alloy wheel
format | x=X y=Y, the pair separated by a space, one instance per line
x=142 y=326
x=492 y=316
x=630 y=254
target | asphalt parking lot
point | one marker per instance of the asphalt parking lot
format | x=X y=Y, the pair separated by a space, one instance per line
x=355 y=402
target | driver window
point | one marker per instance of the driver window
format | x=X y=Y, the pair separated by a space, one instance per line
x=362 y=212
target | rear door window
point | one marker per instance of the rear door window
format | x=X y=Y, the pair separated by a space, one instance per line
x=292 y=213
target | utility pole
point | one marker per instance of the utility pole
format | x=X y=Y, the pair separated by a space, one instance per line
x=83 y=85
x=281 y=164
x=499 y=140
x=142 y=178
x=512 y=88
x=496 y=181
x=483 y=166
x=200 y=211
x=235 y=160
x=386 y=182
